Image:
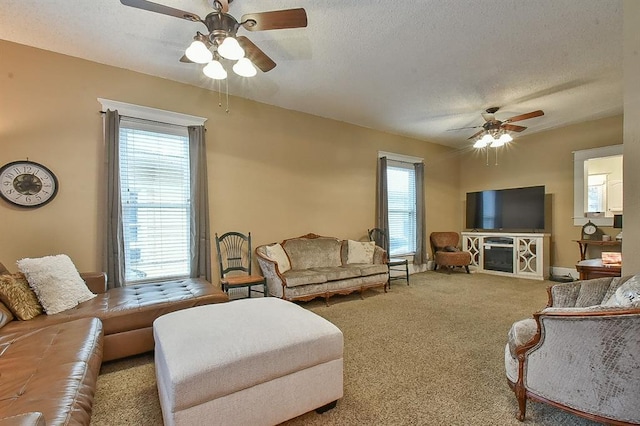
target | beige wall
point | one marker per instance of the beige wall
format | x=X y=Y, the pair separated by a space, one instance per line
x=274 y=172
x=631 y=219
x=544 y=158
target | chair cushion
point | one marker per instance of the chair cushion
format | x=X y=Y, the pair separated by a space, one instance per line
x=373 y=269
x=338 y=272
x=296 y=278
x=460 y=258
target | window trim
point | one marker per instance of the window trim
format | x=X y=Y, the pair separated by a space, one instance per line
x=152 y=114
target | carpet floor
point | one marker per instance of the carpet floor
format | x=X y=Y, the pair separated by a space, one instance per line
x=426 y=354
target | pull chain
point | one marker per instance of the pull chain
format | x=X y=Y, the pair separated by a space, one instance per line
x=226 y=82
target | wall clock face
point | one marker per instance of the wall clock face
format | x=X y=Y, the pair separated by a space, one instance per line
x=27 y=184
x=589 y=230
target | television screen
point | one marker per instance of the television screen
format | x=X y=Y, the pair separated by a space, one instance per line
x=509 y=209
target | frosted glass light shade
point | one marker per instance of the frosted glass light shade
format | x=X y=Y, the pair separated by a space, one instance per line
x=480 y=143
x=503 y=139
x=197 y=52
x=230 y=49
x=215 y=70
x=244 y=68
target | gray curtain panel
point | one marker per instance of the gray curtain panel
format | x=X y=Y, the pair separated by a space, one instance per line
x=420 y=256
x=382 y=201
x=114 y=241
x=200 y=233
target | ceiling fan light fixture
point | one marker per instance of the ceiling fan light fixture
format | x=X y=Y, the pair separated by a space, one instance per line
x=215 y=70
x=244 y=68
x=197 y=52
x=231 y=49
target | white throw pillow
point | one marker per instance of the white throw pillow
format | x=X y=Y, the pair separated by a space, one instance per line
x=360 y=252
x=628 y=294
x=56 y=282
x=276 y=252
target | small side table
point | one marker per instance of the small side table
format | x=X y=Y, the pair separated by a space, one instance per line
x=585 y=243
x=594 y=268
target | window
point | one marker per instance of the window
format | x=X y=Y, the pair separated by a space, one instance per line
x=401 y=192
x=596 y=193
x=155 y=195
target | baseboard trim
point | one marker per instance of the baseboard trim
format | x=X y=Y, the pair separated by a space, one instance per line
x=560 y=271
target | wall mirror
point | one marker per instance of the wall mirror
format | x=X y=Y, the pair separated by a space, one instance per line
x=598 y=185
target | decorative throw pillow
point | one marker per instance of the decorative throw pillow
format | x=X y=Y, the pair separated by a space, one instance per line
x=451 y=248
x=5 y=315
x=277 y=253
x=16 y=294
x=360 y=252
x=56 y=282
x=628 y=294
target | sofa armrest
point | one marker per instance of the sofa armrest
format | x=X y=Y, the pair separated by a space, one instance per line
x=25 y=419
x=269 y=267
x=96 y=281
x=380 y=255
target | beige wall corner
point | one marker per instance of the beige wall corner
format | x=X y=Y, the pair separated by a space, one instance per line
x=631 y=223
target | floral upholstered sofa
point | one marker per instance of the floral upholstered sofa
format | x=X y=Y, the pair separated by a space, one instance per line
x=313 y=266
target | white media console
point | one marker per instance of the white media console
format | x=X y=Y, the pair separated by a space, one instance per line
x=523 y=255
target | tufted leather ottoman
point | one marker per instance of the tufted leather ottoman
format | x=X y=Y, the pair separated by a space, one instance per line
x=247 y=362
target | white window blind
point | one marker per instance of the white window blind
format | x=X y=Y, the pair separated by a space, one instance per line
x=401 y=193
x=155 y=194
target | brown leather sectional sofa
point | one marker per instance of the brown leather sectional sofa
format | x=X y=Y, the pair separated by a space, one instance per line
x=49 y=365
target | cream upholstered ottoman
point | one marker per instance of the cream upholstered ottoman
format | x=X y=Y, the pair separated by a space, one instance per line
x=248 y=362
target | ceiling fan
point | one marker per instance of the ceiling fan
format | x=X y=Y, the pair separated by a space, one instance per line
x=221 y=40
x=494 y=131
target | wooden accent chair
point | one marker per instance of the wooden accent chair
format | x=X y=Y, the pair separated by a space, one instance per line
x=234 y=259
x=446 y=252
x=381 y=238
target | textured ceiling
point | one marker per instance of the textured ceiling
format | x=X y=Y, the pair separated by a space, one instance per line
x=411 y=67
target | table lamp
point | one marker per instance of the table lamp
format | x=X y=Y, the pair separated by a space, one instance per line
x=617 y=223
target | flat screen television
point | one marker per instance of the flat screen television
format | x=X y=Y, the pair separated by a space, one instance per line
x=507 y=209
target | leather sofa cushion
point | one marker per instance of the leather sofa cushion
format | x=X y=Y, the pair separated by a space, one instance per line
x=53 y=369
x=132 y=307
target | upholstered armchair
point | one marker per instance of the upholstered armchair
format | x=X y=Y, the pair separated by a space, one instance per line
x=581 y=353
x=446 y=252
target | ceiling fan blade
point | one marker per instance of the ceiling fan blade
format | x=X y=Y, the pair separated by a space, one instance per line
x=513 y=127
x=255 y=55
x=276 y=20
x=463 y=128
x=186 y=60
x=159 y=8
x=526 y=116
x=475 y=135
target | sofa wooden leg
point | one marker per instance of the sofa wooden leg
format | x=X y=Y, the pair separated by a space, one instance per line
x=327 y=407
x=521 y=395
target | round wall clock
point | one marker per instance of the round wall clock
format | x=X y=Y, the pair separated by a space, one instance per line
x=27 y=184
